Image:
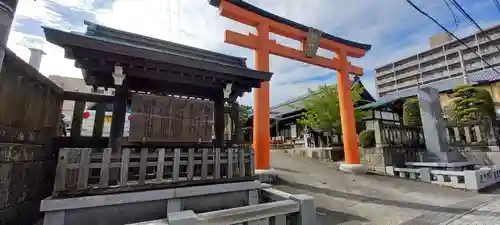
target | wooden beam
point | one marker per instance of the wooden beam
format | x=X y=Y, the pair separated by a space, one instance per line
x=238 y=14
x=250 y=41
x=106 y=68
x=146 y=85
x=119 y=110
x=86 y=97
x=148 y=73
x=219 y=120
x=76 y=121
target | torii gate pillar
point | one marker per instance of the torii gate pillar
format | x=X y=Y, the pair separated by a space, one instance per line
x=311 y=40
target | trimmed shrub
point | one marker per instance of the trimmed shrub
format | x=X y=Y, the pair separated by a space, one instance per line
x=411 y=113
x=367 y=139
x=471 y=104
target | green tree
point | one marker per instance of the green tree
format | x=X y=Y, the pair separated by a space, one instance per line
x=411 y=112
x=244 y=114
x=323 y=109
x=471 y=104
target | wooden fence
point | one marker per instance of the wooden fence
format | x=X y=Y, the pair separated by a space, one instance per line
x=85 y=171
x=30 y=106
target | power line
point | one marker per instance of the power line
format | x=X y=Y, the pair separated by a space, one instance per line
x=460 y=9
x=450 y=33
x=497 y=4
x=455 y=18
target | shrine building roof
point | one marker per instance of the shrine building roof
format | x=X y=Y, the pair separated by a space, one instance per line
x=153 y=63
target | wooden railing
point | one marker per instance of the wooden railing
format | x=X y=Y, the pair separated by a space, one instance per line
x=84 y=171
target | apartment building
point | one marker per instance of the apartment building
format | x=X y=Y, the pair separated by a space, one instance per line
x=447 y=58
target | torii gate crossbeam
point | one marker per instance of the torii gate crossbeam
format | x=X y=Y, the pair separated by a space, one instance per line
x=266 y=23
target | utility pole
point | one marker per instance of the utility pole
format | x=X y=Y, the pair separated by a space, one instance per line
x=7 y=11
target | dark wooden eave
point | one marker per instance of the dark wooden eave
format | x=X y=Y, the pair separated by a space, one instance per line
x=146 y=65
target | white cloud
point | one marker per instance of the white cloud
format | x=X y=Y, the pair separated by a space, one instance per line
x=198 y=24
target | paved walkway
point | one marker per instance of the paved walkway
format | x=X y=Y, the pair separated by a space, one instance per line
x=372 y=199
x=485 y=214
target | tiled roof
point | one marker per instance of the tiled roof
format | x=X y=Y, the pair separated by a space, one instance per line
x=487 y=75
x=297 y=104
x=111 y=34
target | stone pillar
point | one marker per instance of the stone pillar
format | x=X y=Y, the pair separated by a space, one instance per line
x=7 y=10
x=434 y=127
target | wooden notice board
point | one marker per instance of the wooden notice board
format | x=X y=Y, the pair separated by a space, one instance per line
x=170 y=119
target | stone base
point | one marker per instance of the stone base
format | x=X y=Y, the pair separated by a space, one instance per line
x=133 y=207
x=353 y=168
x=267 y=175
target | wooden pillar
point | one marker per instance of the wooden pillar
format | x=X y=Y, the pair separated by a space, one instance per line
x=219 y=120
x=261 y=130
x=348 y=121
x=235 y=116
x=118 y=121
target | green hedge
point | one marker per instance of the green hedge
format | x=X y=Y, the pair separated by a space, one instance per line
x=367 y=139
x=411 y=112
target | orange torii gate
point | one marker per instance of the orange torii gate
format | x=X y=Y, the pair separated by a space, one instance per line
x=311 y=40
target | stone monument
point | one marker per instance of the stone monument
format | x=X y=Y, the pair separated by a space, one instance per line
x=434 y=128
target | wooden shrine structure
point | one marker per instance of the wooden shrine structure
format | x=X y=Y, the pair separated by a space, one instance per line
x=179 y=96
x=311 y=39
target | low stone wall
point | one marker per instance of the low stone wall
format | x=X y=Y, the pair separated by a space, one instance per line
x=30 y=107
x=324 y=154
x=274 y=207
x=483 y=158
x=249 y=200
x=473 y=180
x=124 y=208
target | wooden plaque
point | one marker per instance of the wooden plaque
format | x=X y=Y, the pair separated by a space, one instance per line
x=170 y=119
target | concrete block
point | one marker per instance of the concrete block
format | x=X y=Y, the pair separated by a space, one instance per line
x=307 y=214
x=353 y=168
x=471 y=179
x=50 y=204
x=389 y=170
x=266 y=176
x=153 y=222
x=425 y=174
x=217 y=188
x=174 y=205
x=54 y=218
x=379 y=169
x=253 y=197
x=182 y=218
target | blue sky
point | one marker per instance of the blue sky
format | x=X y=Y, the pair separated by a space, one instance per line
x=392 y=27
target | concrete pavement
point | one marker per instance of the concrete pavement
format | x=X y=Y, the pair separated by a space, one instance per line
x=372 y=199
